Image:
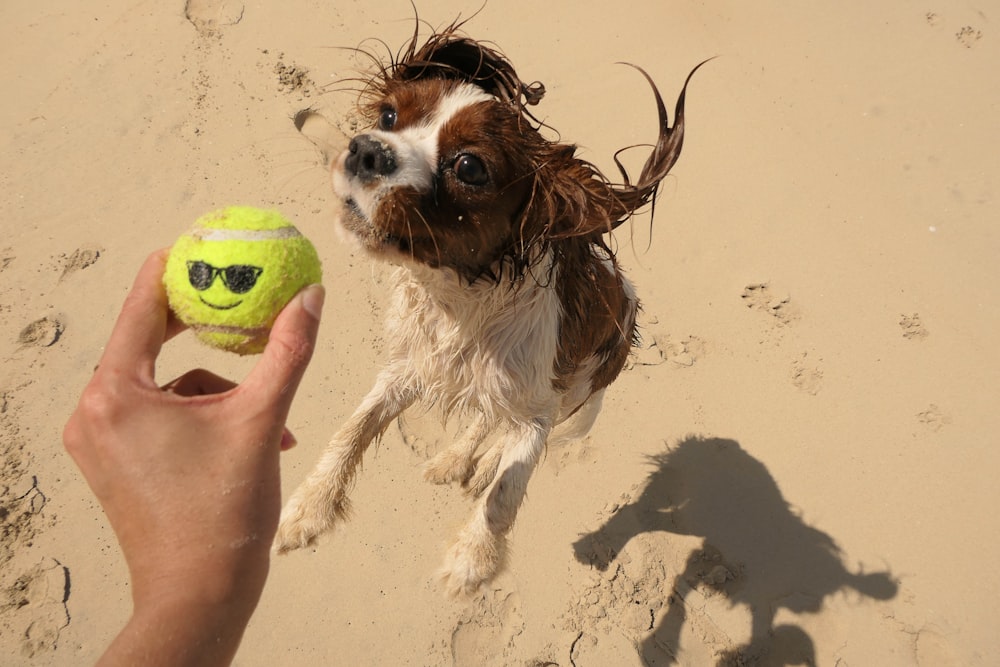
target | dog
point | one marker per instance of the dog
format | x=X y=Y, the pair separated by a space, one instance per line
x=509 y=306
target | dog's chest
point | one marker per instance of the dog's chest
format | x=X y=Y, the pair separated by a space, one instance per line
x=489 y=348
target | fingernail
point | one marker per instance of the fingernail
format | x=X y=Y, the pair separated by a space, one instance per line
x=312 y=300
x=287 y=440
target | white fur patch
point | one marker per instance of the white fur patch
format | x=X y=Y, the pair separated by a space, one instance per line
x=478 y=346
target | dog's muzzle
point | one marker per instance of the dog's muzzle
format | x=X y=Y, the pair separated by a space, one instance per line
x=369 y=159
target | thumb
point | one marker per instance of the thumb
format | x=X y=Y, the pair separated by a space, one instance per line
x=275 y=378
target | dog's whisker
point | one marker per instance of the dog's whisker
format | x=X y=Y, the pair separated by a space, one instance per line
x=430 y=233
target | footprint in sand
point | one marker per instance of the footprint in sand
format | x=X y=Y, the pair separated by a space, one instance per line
x=20 y=505
x=761 y=297
x=19 y=514
x=79 y=260
x=294 y=79
x=682 y=352
x=806 y=376
x=41 y=333
x=648 y=353
x=933 y=418
x=209 y=15
x=679 y=352
x=624 y=598
x=913 y=328
x=486 y=631
x=967 y=36
x=32 y=599
x=33 y=606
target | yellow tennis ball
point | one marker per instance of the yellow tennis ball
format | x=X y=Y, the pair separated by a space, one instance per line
x=230 y=275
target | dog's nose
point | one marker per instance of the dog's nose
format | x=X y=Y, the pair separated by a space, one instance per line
x=368 y=158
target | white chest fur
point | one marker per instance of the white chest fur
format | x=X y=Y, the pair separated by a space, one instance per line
x=482 y=346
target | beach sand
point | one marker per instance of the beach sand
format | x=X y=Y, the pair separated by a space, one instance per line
x=799 y=465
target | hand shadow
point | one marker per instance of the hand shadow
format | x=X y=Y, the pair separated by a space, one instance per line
x=756 y=551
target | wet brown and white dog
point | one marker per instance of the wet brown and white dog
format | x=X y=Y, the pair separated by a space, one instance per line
x=509 y=305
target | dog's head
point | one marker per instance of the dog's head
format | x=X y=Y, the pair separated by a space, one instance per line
x=454 y=172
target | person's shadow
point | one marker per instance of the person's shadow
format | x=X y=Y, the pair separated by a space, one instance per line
x=756 y=551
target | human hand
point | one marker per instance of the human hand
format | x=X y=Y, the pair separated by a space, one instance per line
x=188 y=475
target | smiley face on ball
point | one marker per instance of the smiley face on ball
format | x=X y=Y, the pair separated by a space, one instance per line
x=235 y=280
x=232 y=273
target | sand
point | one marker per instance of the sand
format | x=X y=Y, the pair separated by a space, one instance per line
x=801 y=459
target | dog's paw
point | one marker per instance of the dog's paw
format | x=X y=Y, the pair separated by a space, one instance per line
x=302 y=522
x=296 y=530
x=471 y=562
x=449 y=466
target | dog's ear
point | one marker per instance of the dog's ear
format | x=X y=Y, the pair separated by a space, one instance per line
x=629 y=197
x=570 y=197
x=575 y=199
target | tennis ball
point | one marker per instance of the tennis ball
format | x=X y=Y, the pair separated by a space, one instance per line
x=230 y=275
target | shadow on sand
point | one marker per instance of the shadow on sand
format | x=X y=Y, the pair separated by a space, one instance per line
x=756 y=551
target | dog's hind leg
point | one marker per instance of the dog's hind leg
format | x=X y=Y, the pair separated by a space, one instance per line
x=576 y=426
x=457 y=464
x=321 y=500
x=480 y=551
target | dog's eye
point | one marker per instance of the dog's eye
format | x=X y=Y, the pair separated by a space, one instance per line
x=471 y=170
x=387 y=119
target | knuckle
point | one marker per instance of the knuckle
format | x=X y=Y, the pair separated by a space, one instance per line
x=293 y=348
x=96 y=413
x=99 y=405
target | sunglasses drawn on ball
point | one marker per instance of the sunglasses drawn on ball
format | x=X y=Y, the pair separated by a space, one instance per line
x=238 y=278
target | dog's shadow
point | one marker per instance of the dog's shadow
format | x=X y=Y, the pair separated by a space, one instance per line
x=756 y=551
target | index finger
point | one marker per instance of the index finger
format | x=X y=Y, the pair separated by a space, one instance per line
x=141 y=328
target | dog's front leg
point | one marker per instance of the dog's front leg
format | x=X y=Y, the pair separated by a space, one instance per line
x=321 y=500
x=480 y=551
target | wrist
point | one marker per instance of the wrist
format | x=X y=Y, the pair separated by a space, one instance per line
x=193 y=573
x=189 y=612
x=182 y=629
